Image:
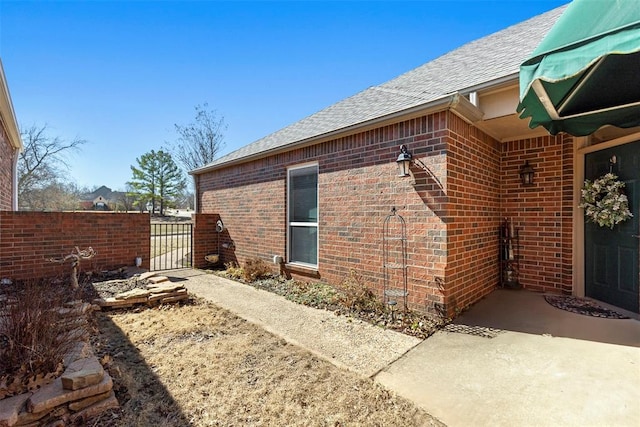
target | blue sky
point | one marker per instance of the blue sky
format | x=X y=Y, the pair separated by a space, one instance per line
x=120 y=74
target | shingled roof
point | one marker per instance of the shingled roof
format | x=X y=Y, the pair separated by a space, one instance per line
x=493 y=58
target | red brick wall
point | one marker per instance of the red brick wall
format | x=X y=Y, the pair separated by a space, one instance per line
x=28 y=239
x=251 y=205
x=473 y=187
x=542 y=212
x=204 y=238
x=358 y=185
x=453 y=210
x=6 y=172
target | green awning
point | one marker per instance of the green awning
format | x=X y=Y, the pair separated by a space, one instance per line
x=586 y=72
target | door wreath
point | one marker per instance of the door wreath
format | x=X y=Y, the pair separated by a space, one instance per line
x=603 y=201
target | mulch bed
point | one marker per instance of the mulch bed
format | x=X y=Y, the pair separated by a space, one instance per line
x=582 y=306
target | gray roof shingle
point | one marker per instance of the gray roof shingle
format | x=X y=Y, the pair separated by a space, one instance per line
x=477 y=63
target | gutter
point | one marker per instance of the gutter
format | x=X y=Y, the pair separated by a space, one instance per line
x=455 y=102
x=8 y=114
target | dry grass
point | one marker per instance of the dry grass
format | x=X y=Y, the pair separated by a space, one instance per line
x=200 y=365
x=168 y=236
x=166 y=244
x=34 y=335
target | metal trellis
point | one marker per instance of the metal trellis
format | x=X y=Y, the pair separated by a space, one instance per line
x=394 y=256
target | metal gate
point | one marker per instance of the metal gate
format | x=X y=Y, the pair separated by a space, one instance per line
x=171 y=246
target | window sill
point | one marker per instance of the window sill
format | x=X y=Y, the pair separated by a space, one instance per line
x=303 y=270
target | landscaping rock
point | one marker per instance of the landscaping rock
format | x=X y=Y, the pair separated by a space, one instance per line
x=147 y=275
x=158 y=279
x=113 y=302
x=95 y=409
x=27 y=418
x=173 y=299
x=82 y=373
x=133 y=293
x=84 y=403
x=52 y=395
x=10 y=409
x=164 y=287
x=161 y=296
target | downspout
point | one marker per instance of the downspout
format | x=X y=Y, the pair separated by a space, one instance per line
x=16 y=156
x=196 y=187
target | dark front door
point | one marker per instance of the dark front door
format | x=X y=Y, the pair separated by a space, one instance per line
x=611 y=256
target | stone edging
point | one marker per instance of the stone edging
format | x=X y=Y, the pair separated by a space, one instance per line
x=83 y=391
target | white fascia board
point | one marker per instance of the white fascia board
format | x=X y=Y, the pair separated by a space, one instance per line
x=7 y=113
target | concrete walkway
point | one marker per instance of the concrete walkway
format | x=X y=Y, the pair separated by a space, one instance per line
x=543 y=366
x=349 y=343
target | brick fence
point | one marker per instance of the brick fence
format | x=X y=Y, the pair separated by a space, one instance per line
x=205 y=239
x=28 y=239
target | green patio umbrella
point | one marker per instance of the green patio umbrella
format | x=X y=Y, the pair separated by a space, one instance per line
x=586 y=72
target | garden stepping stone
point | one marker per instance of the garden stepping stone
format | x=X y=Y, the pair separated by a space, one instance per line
x=158 y=279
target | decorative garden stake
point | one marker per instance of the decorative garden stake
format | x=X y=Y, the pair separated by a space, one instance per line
x=603 y=201
x=75 y=258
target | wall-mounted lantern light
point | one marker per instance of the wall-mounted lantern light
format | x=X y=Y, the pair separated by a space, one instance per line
x=526 y=174
x=404 y=161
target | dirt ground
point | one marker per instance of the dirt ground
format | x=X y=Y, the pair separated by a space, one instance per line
x=199 y=365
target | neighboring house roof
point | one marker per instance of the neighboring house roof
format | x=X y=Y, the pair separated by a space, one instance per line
x=489 y=60
x=7 y=115
x=103 y=192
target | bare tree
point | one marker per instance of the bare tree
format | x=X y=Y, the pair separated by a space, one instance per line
x=75 y=258
x=41 y=165
x=127 y=199
x=200 y=141
x=56 y=196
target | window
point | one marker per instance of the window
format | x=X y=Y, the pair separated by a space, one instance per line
x=302 y=215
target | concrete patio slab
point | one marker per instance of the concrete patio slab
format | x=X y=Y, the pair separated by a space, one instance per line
x=546 y=367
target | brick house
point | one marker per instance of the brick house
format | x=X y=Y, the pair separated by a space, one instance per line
x=317 y=192
x=101 y=199
x=10 y=146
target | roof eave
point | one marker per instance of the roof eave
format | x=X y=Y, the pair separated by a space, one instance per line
x=456 y=102
x=7 y=113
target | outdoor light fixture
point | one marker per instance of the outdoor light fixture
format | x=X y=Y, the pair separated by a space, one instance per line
x=404 y=161
x=526 y=174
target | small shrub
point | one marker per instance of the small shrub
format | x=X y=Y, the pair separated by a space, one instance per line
x=233 y=270
x=34 y=335
x=255 y=269
x=355 y=295
x=316 y=294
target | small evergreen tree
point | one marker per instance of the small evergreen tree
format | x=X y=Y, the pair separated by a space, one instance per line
x=157 y=179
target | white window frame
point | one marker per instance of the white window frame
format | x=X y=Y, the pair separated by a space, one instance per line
x=303 y=224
